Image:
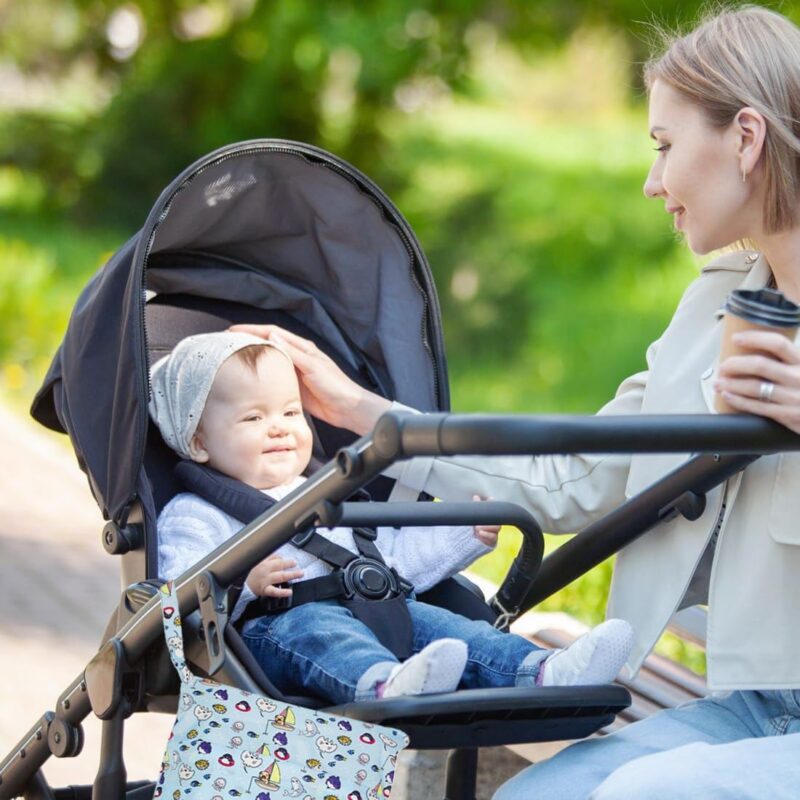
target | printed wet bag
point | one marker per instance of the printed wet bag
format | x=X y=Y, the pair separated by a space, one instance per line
x=230 y=743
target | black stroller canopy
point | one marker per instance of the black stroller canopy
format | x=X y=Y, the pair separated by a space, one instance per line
x=270 y=224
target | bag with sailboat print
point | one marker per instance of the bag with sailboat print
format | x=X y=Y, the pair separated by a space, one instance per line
x=227 y=742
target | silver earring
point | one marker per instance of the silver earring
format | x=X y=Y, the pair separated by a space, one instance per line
x=744 y=175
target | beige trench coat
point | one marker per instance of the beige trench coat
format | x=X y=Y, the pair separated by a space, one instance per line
x=753 y=639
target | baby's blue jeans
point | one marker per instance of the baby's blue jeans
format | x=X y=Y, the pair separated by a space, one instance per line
x=743 y=745
x=323 y=649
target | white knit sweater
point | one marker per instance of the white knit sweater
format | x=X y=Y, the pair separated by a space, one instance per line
x=190 y=527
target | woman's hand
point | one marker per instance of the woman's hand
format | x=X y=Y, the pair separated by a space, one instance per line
x=264 y=576
x=744 y=380
x=325 y=391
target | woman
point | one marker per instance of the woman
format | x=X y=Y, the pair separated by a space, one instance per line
x=724 y=111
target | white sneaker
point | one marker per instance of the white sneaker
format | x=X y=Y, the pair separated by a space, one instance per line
x=596 y=657
x=436 y=668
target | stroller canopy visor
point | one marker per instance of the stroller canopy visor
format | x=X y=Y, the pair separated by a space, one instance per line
x=270 y=224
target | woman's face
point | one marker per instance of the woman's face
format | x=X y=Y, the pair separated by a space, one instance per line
x=697 y=173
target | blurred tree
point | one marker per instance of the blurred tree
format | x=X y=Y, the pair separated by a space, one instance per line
x=173 y=79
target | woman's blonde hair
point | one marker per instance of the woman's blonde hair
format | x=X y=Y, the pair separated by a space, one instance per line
x=747 y=56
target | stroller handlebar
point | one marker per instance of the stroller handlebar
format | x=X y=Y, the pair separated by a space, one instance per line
x=401 y=434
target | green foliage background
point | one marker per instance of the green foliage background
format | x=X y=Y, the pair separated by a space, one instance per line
x=512 y=134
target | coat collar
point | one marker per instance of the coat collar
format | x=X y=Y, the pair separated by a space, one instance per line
x=759 y=274
x=757 y=277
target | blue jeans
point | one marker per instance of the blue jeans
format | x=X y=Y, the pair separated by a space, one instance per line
x=323 y=649
x=743 y=745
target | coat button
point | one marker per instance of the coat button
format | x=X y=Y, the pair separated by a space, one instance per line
x=707 y=373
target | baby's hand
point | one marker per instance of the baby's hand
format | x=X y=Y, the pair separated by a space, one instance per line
x=273 y=570
x=487 y=534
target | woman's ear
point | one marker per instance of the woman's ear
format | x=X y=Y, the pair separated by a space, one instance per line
x=197 y=450
x=751 y=130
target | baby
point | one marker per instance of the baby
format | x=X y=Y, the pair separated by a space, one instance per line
x=231 y=401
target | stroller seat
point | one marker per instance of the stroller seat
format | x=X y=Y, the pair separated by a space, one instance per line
x=279 y=232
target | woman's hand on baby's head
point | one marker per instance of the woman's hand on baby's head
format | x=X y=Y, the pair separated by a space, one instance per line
x=325 y=391
x=264 y=577
x=487 y=534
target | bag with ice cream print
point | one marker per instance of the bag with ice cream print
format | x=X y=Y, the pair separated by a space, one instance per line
x=231 y=743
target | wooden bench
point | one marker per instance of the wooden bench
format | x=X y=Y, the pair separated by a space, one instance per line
x=661 y=683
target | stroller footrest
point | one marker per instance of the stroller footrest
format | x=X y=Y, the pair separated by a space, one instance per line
x=490 y=717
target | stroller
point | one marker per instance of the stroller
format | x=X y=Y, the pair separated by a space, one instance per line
x=272 y=231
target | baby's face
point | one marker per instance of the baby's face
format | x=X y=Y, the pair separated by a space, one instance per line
x=253 y=426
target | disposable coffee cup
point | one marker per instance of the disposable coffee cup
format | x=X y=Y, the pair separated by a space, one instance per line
x=748 y=310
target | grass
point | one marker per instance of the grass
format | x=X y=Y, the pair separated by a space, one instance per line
x=44 y=262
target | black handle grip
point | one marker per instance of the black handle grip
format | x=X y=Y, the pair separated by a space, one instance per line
x=520 y=578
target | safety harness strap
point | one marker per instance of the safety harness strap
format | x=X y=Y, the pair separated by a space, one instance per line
x=362 y=582
x=241 y=501
x=324 y=588
x=325 y=549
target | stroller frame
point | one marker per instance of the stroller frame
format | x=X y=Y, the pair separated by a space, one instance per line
x=105 y=687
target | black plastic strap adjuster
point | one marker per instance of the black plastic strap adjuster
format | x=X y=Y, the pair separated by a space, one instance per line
x=302 y=538
x=272 y=605
x=368 y=533
x=406 y=587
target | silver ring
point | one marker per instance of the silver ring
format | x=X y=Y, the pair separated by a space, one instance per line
x=765 y=391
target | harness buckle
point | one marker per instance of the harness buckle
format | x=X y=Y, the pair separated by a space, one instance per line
x=370 y=579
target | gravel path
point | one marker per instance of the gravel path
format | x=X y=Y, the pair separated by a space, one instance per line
x=57 y=590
